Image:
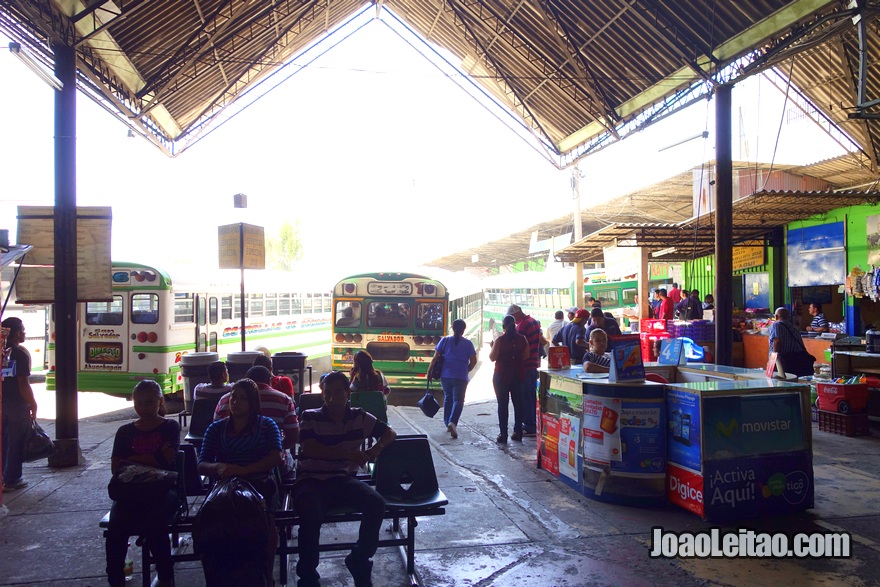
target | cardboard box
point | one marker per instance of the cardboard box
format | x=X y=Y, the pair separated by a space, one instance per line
x=558 y=357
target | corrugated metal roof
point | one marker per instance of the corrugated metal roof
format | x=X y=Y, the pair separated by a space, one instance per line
x=669 y=205
x=757 y=217
x=580 y=75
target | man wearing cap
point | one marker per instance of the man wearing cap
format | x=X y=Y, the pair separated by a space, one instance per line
x=531 y=329
x=571 y=312
x=599 y=320
x=574 y=336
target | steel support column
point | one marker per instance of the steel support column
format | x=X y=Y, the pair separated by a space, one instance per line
x=66 y=417
x=723 y=227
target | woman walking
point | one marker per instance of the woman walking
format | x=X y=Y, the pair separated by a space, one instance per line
x=459 y=358
x=509 y=353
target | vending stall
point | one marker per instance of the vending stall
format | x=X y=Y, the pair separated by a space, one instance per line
x=605 y=440
x=739 y=449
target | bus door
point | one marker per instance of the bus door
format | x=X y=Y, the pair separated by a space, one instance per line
x=208 y=329
x=104 y=335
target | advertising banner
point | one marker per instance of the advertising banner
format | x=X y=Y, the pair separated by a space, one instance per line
x=761 y=485
x=684 y=488
x=569 y=447
x=549 y=453
x=683 y=429
x=743 y=425
x=642 y=437
x=601 y=429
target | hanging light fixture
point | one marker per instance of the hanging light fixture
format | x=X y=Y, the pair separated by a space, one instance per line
x=34 y=65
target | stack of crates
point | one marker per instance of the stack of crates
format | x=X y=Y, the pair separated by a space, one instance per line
x=651 y=332
x=843 y=408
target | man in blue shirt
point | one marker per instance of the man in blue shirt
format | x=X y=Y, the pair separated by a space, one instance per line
x=819 y=323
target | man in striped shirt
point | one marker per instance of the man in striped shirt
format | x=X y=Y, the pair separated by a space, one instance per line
x=332 y=441
x=531 y=329
x=819 y=323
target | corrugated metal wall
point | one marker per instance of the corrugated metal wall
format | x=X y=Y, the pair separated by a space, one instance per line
x=698 y=276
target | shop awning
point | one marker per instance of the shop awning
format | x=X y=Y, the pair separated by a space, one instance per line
x=755 y=220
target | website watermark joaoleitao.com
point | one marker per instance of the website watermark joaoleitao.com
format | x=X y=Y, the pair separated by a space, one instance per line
x=748 y=543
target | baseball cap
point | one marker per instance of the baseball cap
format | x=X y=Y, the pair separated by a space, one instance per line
x=581 y=315
x=573 y=310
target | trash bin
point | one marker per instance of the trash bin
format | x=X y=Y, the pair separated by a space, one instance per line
x=194 y=368
x=238 y=363
x=293 y=365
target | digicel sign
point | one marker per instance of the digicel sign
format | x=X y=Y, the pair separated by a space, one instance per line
x=684 y=488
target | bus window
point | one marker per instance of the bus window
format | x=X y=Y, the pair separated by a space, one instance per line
x=388 y=315
x=144 y=308
x=105 y=313
x=271 y=305
x=609 y=298
x=284 y=304
x=629 y=297
x=213 y=341
x=226 y=308
x=348 y=314
x=183 y=308
x=256 y=305
x=429 y=315
x=201 y=311
x=213 y=317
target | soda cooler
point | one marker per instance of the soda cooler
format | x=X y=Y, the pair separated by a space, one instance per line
x=739 y=449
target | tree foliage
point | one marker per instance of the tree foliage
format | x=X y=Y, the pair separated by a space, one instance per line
x=283 y=251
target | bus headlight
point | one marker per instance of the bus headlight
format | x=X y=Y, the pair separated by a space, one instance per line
x=418 y=339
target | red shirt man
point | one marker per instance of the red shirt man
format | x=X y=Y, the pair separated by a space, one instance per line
x=674 y=294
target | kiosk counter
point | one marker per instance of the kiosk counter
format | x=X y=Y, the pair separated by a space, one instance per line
x=605 y=440
x=724 y=449
x=739 y=449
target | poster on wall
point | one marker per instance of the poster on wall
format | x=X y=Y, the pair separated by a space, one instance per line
x=817 y=255
x=569 y=432
x=601 y=429
x=873 y=231
x=683 y=430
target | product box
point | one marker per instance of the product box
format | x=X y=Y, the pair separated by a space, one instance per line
x=558 y=357
x=845 y=399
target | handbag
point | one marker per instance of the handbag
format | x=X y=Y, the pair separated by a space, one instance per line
x=39 y=445
x=140 y=483
x=799 y=363
x=436 y=369
x=428 y=404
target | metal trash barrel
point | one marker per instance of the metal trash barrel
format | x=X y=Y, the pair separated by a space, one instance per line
x=239 y=362
x=194 y=369
x=293 y=365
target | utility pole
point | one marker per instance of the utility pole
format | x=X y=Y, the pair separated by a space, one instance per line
x=578 y=233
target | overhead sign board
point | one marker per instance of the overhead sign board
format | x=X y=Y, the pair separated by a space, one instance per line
x=242 y=246
x=36 y=281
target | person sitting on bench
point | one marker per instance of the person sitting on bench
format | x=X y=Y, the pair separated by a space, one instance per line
x=150 y=441
x=331 y=439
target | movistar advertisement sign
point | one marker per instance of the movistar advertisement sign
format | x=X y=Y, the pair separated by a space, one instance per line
x=744 y=425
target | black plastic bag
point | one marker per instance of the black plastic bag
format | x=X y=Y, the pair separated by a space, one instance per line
x=230 y=535
x=39 y=445
x=428 y=404
x=233 y=517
